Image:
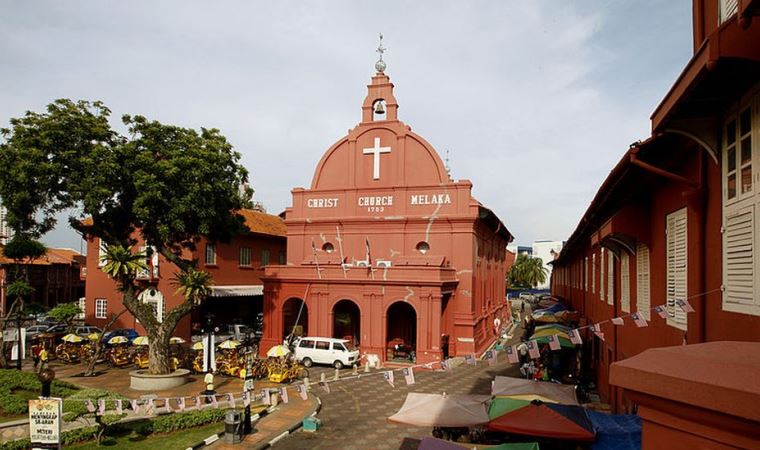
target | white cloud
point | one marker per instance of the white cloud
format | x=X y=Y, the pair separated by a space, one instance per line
x=535 y=100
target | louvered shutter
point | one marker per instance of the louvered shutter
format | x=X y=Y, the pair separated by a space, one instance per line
x=602 y=279
x=585 y=274
x=727 y=9
x=738 y=244
x=593 y=273
x=625 y=283
x=610 y=278
x=676 y=256
x=643 y=303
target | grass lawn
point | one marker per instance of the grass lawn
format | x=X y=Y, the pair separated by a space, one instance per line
x=178 y=440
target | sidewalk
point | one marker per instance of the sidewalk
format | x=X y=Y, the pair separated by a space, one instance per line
x=118 y=380
x=285 y=418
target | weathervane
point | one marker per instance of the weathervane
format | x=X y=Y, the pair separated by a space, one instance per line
x=380 y=64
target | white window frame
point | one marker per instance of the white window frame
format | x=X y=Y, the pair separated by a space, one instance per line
x=244 y=258
x=610 y=278
x=585 y=274
x=625 y=282
x=209 y=254
x=82 y=303
x=643 y=282
x=101 y=308
x=156 y=298
x=593 y=273
x=741 y=263
x=102 y=246
x=602 y=274
x=676 y=266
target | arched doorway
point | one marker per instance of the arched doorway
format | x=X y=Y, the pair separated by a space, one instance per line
x=347 y=321
x=291 y=319
x=401 y=332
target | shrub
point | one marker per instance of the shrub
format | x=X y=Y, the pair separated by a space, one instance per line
x=12 y=380
x=188 y=419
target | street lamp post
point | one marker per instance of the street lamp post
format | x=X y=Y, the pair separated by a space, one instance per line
x=248 y=383
x=209 y=341
x=46 y=377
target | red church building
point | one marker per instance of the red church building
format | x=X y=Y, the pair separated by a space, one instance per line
x=384 y=248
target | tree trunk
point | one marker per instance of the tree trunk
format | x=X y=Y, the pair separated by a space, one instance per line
x=99 y=347
x=158 y=351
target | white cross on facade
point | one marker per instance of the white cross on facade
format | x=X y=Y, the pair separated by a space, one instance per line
x=375 y=152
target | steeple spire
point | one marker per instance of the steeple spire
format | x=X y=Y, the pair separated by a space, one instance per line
x=380 y=64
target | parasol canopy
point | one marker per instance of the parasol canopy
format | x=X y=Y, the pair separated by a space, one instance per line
x=568 y=422
x=141 y=340
x=118 y=340
x=545 y=318
x=561 y=393
x=553 y=326
x=72 y=338
x=543 y=338
x=229 y=343
x=176 y=340
x=430 y=443
x=197 y=346
x=93 y=336
x=278 y=350
x=442 y=410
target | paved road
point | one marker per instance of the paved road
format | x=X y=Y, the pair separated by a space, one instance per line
x=354 y=415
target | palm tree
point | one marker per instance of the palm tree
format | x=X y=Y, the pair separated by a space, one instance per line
x=121 y=263
x=527 y=272
x=195 y=285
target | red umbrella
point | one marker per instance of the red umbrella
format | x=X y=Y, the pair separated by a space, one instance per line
x=546 y=420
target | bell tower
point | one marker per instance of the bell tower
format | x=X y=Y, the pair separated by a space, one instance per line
x=380 y=104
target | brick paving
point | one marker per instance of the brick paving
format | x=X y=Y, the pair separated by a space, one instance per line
x=354 y=415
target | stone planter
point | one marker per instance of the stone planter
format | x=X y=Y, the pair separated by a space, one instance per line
x=142 y=380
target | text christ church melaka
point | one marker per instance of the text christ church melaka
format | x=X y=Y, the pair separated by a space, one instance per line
x=385 y=248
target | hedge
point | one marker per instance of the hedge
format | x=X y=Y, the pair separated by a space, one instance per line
x=12 y=380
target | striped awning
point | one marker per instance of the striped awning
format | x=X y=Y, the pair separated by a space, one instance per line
x=237 y=291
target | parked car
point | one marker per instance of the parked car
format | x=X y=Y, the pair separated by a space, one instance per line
x=58 y=331
x=86 y=330
x=322 y=350
x=129 y=333
x=35 y=329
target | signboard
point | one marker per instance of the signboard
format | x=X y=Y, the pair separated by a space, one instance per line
x=45 y=421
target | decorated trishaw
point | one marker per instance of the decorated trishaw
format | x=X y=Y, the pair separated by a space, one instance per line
x=281 y=367
x=70 y=349
x=229 y=361
x=118 y=353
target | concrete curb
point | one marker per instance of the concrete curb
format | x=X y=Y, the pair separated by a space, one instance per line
x=215 y=437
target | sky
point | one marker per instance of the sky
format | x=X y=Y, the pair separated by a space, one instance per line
x=534 y=101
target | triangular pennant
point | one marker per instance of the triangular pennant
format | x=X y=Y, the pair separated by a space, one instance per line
x=470 y=359
x=101 y=406
x=553 y=342
x=533 y=349
x=408 y=375
x=388 y=375
x=575 y=337
x=231 y=400
x=491 y=357
x=684 y=305
x=90 y=406
x=149 y=407
x=302 y=391
x=134 y=405
x=512 y=356
x=638 y=320
x=617 y=320
x=661 y=311
x=265 y=397
x=167 y=406
x=181 y=403
x=119 y=407
x=284 y=394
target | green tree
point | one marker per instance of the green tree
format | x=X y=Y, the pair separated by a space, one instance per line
x=159 y=185
x=65 y=313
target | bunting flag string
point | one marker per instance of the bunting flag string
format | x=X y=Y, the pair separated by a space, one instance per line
x=490 y=356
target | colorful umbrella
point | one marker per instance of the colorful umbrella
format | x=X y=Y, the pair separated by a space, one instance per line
x=141 y=340
x=561 y=393
x=540 y=419
x=442 y=410
x=72 y=338
x=118 y=340
x=546 y=318
x=230 y=343
x=278 y=350
x=177 y=340
x=529 y=397
x=430 y=443
x=93 y=336
x=554 y=326
x=197 y=346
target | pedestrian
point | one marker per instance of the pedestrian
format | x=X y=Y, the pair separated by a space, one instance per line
x=36 y=349
x=43 y=358
x=208 y=380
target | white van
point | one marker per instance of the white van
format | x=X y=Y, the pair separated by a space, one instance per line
x=321 y=350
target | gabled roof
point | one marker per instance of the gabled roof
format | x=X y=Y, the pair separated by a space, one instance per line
x=262 y=223
x=53 y=256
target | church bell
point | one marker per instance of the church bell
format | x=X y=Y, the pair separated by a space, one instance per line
x=379 y=108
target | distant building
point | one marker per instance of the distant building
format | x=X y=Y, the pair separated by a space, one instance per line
x=547 y=251
x=55 y=278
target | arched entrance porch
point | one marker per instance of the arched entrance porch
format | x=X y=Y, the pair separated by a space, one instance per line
x=295 y=318
x=347 y=321
x=401 y=332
